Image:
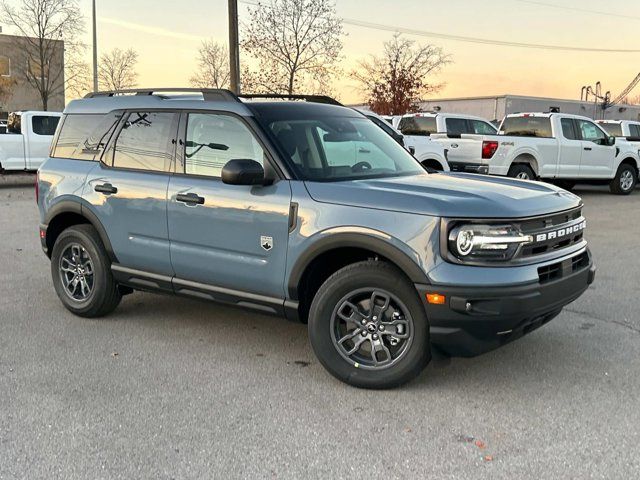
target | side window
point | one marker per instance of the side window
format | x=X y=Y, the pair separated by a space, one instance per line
x=44 y=125
x=144 y=143
x=214 y=139
x=634 y=130
x=482 y=128
x=568 y=129
x=591 y=132
x=423 y=126
x=73 y=132
x=456 y=126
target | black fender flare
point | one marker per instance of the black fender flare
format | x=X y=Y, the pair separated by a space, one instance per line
x=78 y=207
x=371 y=240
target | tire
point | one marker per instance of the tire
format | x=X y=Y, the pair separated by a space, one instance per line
x=78 y=251
x=566 y=184
x=402 y=361
x=523 y=172
x=625 y=180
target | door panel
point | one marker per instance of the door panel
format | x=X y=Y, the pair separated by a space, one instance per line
x=135 y=217
x=230 y=236
x=220 y=242
x=38 y=131
x=597 y=158
x=570 y=150
x=128 y=192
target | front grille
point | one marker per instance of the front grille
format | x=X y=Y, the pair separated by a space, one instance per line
x=552 y=228
x=552 y=272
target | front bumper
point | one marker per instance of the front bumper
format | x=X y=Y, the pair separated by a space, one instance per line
x=475 y=320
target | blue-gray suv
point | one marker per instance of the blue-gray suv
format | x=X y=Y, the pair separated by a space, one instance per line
x=302 y=208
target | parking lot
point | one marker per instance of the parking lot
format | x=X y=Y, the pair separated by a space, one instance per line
x=173 y=388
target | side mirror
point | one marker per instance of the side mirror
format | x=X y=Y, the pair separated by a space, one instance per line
x=243 y=172
x=611 y=141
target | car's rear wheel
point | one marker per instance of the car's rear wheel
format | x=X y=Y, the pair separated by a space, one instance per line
x=368 y=326
x=81 y=272
x=523 y=172
x=625 y=180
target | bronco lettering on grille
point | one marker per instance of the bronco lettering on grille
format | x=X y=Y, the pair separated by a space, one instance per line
x=563 y=232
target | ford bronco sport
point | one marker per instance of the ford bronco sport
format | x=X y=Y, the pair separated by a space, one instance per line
x=255 y=203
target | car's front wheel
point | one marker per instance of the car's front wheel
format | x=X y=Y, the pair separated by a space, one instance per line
x=625 y=180
x=81 y=272
x=368 y=326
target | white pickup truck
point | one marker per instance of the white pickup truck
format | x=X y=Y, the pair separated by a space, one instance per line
x=430 y=154
x=556 y=146
x=26 y=143
x=456 y=133
x=622 y=128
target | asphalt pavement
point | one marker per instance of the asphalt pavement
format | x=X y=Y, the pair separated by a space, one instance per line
x=170 y=388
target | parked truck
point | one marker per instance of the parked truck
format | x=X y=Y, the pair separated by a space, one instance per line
x=429 y=153
x=622 y=128
x=27 y=140
x=456 y=133
x=553 y=146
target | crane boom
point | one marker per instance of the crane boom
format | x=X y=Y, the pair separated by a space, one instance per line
x=625 y=92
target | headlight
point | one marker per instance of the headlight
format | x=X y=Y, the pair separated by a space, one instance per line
x=486 y=242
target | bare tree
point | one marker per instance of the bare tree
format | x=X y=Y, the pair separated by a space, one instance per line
x=42 y=24
x=395 y=82
x=117 y=69
x=295 y=44
x=213 y=66
x=6 y=89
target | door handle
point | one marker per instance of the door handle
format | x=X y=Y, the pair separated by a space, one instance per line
x=106 y=188
x=363 y=150
x=588 y=149
x=192 y=198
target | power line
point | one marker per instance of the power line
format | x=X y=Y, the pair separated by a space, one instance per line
x=576 y=9
x=475 y=40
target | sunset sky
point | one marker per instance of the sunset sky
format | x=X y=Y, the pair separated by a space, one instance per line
x=167 y=34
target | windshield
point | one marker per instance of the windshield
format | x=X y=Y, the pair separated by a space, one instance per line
x=613 y=129
x=334 y=148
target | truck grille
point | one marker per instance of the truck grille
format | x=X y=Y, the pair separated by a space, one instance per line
x=553 y=232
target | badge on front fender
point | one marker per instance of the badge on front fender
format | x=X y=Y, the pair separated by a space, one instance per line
x=266 y=242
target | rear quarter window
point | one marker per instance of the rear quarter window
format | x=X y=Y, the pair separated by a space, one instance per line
x=82 y=136
x=527 y=127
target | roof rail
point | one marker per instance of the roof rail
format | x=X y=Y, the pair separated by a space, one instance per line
x=308 y=98
x=208 y=94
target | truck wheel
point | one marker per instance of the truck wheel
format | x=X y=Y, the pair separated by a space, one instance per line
x=81 y=272
x=523 y=172
x=625 y=180
x=368 y=326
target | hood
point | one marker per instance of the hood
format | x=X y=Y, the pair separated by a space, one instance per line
x=460 y=195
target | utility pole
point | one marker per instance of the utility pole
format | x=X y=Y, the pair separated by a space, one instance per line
x=95 y=50
x=234 y=49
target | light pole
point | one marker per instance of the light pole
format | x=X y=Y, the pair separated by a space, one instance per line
x=234 y=49
x=95 y=50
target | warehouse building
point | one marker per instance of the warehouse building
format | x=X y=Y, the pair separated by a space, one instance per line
x=20 y=95
x=495 y=108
